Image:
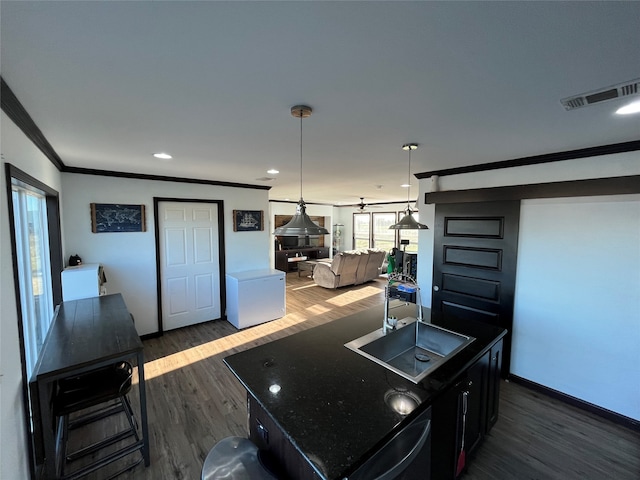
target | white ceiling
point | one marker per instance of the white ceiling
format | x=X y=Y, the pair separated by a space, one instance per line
x=109 y=83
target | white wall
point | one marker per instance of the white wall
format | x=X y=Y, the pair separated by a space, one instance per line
x=344 y=215
x=425 y=247
x=20 y=152
x=577 y=303
x=129 y=259
x=587 y=294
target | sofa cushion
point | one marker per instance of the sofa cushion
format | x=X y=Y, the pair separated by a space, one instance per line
x=324 y=276
x=338 y=262
x=376 y=258
x=361 y=273
x=348 y=268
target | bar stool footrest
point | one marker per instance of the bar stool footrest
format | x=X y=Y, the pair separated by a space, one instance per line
x=95 y=416
x=112 y=457
x=83 y=452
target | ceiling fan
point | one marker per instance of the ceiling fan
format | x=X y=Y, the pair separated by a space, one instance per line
x=363 y=207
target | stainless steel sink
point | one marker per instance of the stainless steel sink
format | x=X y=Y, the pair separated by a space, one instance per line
x=413 y=351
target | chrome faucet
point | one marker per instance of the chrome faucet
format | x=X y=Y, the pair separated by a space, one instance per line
x=390 y=323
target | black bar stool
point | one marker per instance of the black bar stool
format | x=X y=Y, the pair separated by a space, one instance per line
x=106 y=388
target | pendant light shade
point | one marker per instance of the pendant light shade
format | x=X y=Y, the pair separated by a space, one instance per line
x=408 y=222
x=301 y=225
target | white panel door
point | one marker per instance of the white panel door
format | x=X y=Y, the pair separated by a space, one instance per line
x=189 y=263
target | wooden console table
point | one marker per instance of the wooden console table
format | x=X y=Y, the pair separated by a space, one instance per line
x=85 y=334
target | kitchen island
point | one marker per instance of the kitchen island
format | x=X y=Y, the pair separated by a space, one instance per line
x=323 y=411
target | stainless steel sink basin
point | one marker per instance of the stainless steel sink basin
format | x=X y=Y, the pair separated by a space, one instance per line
x=413 y=351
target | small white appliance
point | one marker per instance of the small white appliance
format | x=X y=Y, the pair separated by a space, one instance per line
x=83 y=281
x=255 y=296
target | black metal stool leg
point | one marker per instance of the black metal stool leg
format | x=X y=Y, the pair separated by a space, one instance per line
x=98 y=388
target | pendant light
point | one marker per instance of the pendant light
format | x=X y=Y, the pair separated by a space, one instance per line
x=408 y=222
x=301 y=225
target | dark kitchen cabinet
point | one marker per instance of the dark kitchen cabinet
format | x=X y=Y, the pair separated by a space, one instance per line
x=468 y=410
x=476 y=391
x=493 y=385
x=447 y=432
x=270 y=438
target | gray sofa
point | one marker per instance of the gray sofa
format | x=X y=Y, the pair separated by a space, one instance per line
x=349 y=268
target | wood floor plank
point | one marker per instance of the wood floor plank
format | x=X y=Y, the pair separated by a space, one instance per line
x=194 y=401
x=538 y=437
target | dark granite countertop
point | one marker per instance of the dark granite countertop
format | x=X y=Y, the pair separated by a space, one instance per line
x=331 y=401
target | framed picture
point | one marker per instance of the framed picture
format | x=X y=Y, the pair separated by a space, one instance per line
x=110 y=217
x=248 y=220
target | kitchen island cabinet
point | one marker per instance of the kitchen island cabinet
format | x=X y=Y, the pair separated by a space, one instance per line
x=323 y=411
x=461 y=415
x=493 y=384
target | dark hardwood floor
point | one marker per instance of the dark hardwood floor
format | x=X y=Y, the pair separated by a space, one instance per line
x=541 y=438
x=194 y=401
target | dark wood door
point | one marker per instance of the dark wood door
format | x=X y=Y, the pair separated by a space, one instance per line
x=474 y=264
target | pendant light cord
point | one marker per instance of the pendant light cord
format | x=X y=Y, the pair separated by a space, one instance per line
x=409 y=147
x=300 y=154
x=409 y=181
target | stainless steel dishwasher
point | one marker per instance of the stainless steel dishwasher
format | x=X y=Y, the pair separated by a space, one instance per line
x=407 y=456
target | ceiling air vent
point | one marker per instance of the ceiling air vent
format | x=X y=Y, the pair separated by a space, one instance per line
x=604 y=94
x=571 y=103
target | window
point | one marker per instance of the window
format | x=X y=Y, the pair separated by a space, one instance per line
x=361 y=230
x=411 y=235
x=372 y=230
x=383 y=238
x=34 y=268
x=34 y=215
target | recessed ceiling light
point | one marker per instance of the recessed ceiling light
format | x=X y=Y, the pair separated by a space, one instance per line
x=405 y=185
x=163 y=156
x=273 y=171
x=629 y=108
